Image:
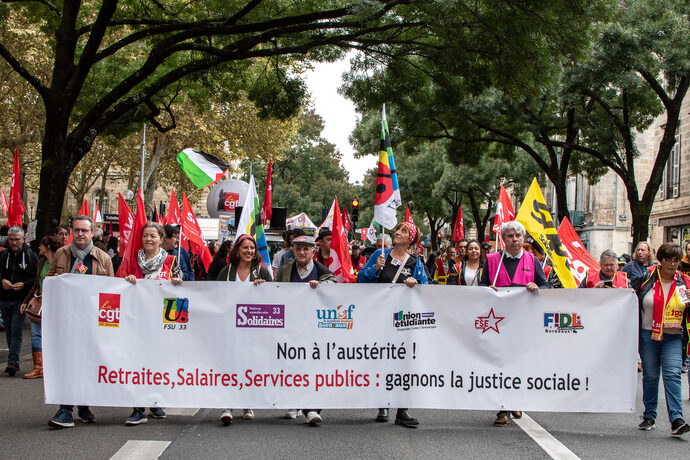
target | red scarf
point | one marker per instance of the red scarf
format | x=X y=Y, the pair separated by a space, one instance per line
x=660 y=304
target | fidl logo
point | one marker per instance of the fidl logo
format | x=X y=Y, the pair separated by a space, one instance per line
x=175 y=310
x=108 y=310
x=339 y=317
x=558 y=322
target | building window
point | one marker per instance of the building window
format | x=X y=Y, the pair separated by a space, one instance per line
x=670 y=184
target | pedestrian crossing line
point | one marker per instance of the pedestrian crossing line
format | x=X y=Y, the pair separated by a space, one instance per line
x=141 y=450
x=552 y=446
x=181 y=411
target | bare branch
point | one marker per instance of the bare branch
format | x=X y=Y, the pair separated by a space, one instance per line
x=50 y=6
x=23 y=71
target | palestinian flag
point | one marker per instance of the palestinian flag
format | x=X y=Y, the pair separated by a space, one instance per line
x=201 y=168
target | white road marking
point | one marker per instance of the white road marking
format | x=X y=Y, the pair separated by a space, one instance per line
x=181 y=411
x=141 y=450
x=552 y=446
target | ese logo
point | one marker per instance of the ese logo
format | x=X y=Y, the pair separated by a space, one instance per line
x=488 y=322
x=175 y=310
x=109 y=310
x=339 y=317
x=564 y=323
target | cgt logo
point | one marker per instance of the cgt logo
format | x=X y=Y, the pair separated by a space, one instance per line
x=175 y=310
x=108 y=310
x=559 y=322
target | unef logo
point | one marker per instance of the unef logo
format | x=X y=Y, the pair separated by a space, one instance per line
x=175 y=310
x=108 y=310
x=339 y=317
x=558 y=322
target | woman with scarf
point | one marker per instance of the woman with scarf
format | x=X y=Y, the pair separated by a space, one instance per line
x=470 y=268
x=244 y=267
x=153 y=262
x=663 y=302
x=396 y=265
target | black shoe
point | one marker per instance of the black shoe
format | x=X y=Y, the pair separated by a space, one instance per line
x=647 y=424
x=86 y=416
x=382 y=416
x=12 y=368
x=678 y=427
x=404 y=419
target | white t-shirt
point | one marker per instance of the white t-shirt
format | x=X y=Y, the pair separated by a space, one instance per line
x=276 y=258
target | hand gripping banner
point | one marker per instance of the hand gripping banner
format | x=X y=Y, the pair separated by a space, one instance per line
x=284 y=345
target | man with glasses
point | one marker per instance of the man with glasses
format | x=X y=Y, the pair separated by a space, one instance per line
x=17 y=272
x=80 y=257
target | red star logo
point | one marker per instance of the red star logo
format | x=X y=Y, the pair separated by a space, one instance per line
x=488 y=322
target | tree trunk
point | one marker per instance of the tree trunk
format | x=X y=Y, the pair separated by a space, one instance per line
x=434 y=230
x=160 y=147
x=51 y=194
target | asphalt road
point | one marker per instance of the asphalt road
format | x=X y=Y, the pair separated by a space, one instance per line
x=344 y=434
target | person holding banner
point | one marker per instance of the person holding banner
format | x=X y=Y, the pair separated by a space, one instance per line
x=642 y=260
x=513 y=267
x=298 y=270
x=608 y=276
x=153 y=262
x=171 y=243
x=471 y=266
x=396 y=265
x=663 y=301
x=82 y=257
x=244 y=267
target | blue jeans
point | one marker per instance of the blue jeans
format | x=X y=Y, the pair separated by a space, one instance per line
x=14 y=325
x=35 y=336
x=663 y=357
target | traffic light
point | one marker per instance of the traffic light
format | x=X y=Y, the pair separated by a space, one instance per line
x=355 y=210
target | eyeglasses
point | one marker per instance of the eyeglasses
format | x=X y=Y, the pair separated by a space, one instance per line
x=81 y=230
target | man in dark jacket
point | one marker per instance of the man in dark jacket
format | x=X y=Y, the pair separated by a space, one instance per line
x=17 y=273
x=171 y=244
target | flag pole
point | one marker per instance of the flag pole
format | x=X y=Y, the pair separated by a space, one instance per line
x=143 y=153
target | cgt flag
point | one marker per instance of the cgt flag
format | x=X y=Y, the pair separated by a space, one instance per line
x=342 y=264
x=387 y=198
x=16 y=207
x=250 y=223
x=535 y=216
x=173 y=216
x=266 y=211
x=126 y=223
x=190 y=228
x=580 y=260
x=458 y=228
x=346 y=220
x=129 y=259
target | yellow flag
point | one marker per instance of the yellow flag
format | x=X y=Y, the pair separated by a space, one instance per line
x=535 y=216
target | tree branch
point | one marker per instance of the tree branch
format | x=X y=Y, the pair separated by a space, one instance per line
x=50 y=6
x=23 y=71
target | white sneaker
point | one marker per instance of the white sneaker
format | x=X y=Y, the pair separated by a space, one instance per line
x=290 y=414
x=313 y=418
x=248 y=414
x=226 y=417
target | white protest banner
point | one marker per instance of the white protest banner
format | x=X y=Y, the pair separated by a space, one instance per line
x=285 y=345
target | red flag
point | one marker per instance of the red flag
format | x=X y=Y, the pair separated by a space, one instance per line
x=364 y=234
x=126 y=223
x=341 y=265
x=173 y=217
x=459 y=227
x=191 y=230
x=346 y=220
x=504 y=210
x=161 y=219
x=580 y=260
x=5 y=206
x=408 y=216
x=16 y=208
x=97 y=218
x=84 y=210
x=129 y=265
x=266 y=212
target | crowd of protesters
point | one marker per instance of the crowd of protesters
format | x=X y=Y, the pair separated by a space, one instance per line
x=659 y=280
